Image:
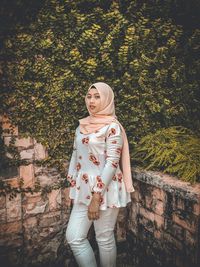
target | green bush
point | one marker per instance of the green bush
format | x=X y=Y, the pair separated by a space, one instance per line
x=175 y=150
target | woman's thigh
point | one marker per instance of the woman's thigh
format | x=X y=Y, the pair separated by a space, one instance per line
x=79 y=224
x=105 y=225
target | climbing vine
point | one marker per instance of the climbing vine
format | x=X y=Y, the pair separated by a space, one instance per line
x=148 y=59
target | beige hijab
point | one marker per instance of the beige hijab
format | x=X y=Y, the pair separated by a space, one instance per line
x=105 y=116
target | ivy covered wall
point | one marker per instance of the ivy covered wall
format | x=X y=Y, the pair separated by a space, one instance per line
x=145 y=50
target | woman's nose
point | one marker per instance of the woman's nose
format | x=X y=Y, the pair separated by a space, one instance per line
x=91 y=100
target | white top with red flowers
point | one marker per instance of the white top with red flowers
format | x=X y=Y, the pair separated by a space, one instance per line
x=94 y=167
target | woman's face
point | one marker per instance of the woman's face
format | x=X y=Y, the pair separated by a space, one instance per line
x=93 y=100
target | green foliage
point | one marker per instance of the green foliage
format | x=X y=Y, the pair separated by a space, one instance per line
x=175 y=150
x=150 y=61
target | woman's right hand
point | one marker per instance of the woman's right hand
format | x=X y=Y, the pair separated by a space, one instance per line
x=93 y=208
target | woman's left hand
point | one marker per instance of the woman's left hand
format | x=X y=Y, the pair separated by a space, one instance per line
x=93 y=208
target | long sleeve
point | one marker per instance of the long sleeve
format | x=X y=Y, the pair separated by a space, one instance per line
x=72 y=165
x=114 y=142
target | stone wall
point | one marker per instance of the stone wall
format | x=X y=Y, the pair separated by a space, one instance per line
x=164 y=222
x=160 y=227
x=32 y=225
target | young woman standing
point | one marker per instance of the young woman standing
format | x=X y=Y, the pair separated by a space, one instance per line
x=100 y=178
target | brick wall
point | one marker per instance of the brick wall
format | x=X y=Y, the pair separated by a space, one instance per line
x=164 y=222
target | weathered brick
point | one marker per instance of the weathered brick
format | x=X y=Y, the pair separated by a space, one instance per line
x=174 y=243
x=158 y=194
x=189 y=225
x=65 y=196
x=6 y=125
x=148 y=202
x=54 y=199
x=175 y=230
x=27 y=174
x=196 y=208
x=2 y=215
x=40 y=151
x=27 y=154
x=158 y=207
x=11 y=227
x=7 y=140
x=30 y=222
x=159 y=221
x=50 y=219
x=135 y=196
x=157 y=234
x=49 y=230
x=13 y=208
x=2 y=202
x=14 y=213
x=24 y=142
x=13 y=182
x=178 y=203
x=190 y=239
x=35 y=208
x=32 y=198
x=148 y=224
x=147 y=214
x=121 y=225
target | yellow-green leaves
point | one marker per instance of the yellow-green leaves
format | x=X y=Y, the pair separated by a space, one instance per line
x=175 y=150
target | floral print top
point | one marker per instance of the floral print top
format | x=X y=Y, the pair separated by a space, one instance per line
x=94 y=167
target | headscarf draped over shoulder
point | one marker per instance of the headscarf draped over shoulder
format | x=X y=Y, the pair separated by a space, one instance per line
x=105 y=116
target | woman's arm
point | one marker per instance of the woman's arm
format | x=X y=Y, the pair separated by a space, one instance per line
x=114 y=142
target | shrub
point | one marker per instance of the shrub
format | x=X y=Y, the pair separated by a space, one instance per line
x=175 y=150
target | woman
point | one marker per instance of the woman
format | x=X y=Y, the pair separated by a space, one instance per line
x=100 y=178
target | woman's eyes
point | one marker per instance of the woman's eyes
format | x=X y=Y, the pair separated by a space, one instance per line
x=96 y=97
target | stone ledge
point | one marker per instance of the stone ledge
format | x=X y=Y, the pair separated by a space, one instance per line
x=168 y=183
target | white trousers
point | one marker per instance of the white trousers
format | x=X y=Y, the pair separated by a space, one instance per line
x=76 y=235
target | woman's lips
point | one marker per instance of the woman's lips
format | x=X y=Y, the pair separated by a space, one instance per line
x=92 y=107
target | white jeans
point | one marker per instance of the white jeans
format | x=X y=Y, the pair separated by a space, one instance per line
x=76 y=235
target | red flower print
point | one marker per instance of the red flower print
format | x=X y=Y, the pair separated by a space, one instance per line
x=85 y=140
x=112 y=132
x=88 y=197
x=85 y=178
x=78 y=166
x=114 y=142
x=94 y=159
x=98 y=178
x=114 y=178
x=100 y=185
x=119 y=150
x=115 y=164
x=69 y=177
x=96 y=162
x=73 y=183
x=119 y=175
